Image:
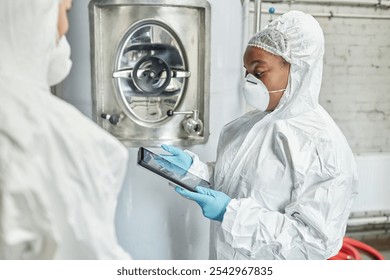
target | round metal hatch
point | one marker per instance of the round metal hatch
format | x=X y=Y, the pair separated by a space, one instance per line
x=150 y=71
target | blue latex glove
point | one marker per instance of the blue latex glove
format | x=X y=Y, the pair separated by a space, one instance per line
x=213 y=203
x=177 y=157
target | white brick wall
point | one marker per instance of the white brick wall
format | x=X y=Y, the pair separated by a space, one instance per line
x=356 y=79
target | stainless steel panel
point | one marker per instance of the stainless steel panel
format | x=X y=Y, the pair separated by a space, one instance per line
x=189 y=21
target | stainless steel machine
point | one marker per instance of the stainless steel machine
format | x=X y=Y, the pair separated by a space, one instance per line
x=150 y=70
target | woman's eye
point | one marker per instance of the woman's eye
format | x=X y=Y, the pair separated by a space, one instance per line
x=258 y=75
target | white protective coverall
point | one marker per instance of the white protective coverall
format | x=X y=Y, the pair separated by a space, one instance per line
x=290 y=172
x=60 y=174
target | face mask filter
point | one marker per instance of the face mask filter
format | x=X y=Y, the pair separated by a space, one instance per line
x=256 y=93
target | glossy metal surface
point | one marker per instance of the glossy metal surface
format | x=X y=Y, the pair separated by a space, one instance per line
x=149 y=57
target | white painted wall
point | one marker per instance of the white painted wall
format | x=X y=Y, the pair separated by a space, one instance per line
x=153 y=222
x=356 y=79
x=77 y=86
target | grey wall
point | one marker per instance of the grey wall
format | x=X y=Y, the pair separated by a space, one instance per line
x=77 y=86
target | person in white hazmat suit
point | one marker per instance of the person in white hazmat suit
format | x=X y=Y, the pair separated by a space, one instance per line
x=60 y=173
x=285 y=178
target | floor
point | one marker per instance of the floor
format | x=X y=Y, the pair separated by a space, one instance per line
x=382 y=245
x=386 y=254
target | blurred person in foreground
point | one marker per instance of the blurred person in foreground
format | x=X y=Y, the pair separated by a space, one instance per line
x=60 y=173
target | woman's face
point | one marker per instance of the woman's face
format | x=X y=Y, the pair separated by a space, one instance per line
x=271 y=69
x=63 y=24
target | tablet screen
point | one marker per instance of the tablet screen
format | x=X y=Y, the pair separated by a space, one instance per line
x=169 y=171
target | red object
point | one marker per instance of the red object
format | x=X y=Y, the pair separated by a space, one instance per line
x=352 y=249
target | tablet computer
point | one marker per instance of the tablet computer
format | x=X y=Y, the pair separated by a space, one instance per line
x=169 y=171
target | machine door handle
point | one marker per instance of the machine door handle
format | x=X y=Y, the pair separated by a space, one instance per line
x=128 y=73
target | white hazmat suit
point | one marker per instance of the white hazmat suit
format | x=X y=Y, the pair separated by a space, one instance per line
x=290 y=172
x=60 y=174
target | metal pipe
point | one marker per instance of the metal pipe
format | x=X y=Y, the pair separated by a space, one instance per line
x=368 y=234
x=257 y=17
x=332 y=15
x=368 y=221
x=377 y=3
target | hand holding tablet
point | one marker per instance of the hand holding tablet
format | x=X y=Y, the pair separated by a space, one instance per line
x=168 y=170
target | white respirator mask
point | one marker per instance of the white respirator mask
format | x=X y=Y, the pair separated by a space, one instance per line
x=60 y=63
x=256 y=93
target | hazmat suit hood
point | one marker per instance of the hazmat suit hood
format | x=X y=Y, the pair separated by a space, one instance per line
x=60 y=174
x=28 y=33
x=290 y=172
x=298 y=38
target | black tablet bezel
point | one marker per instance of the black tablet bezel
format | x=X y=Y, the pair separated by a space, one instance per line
x=141 y=162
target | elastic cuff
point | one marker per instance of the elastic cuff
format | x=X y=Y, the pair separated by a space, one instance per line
x=230 y=215
x=198 y=167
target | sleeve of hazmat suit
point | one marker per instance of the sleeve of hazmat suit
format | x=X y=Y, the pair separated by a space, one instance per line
x=290 y=172
x=60 y=174
x=201 y=169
